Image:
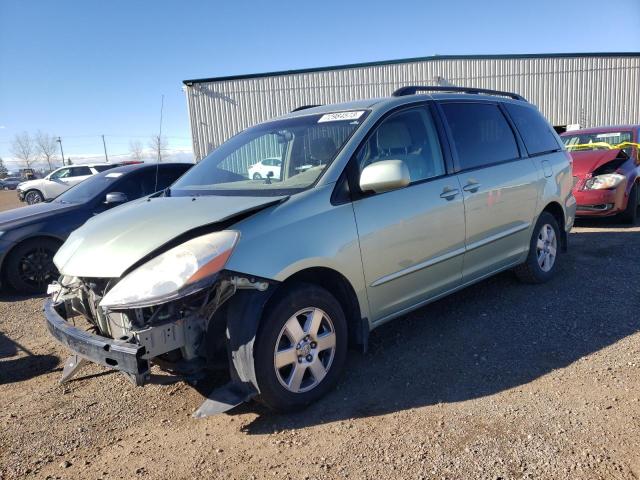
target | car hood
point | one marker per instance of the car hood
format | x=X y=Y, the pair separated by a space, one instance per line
x=32 y=213
x=587 y=161
x=108 y=244
x=30 y=183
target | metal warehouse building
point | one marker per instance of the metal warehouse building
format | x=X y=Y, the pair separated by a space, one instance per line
x=587 y=89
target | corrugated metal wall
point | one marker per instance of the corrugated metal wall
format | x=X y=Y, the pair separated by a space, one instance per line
x=587 y=90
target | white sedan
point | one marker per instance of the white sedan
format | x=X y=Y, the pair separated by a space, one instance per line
x=58 y=181
x=262 y=168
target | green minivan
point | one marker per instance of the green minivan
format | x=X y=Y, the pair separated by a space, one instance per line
x=380 y=207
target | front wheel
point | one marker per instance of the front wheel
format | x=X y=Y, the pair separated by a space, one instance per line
x=30 y=268
x=257 y=176
x=300 y=348
x=33 y=196
x=544 y=248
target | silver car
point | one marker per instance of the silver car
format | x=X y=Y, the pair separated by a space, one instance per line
x=381 y=207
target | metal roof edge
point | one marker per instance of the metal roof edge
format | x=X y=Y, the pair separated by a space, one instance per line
x=412 y=59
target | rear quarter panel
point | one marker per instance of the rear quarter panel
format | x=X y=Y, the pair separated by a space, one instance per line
x=558 y=186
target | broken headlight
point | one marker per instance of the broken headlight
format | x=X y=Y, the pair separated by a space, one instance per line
x=602 y=182
x=178 y=272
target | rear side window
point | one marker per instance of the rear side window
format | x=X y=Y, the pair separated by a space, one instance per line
x=80 y=171
x=536 y=132
x=481 y=134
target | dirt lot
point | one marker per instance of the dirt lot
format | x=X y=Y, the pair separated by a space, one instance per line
x=501 y=380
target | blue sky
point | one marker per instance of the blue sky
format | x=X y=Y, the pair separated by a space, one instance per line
x=80 y=69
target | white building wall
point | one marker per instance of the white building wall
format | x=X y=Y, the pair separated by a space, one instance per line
x=585 y=89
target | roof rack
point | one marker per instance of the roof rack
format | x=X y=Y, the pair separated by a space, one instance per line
x=304 y=107
x=413 y=89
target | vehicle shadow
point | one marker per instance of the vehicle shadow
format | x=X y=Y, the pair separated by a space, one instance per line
x=7 y=294
x=17 y=363
x=493 y=336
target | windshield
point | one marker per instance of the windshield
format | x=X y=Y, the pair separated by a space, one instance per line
x=88 y=189
x=275 y=158
x=599 y=141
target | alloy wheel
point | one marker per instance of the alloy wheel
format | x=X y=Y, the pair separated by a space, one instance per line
x=304 y=350
x=33 y=197
x=546 y=247
x=36 y=268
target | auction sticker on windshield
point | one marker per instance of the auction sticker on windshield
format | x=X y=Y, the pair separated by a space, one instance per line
x=340 y=116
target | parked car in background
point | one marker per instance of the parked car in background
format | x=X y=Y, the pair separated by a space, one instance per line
x=606 y=165
x=31 y=235
x=59 y=181
x=264 y=168
x=10 y=183
x=402 y=201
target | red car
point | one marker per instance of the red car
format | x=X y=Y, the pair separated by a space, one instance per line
x=606 y=169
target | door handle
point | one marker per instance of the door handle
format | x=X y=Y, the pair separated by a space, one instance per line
x=471 y=186
x=449 y=193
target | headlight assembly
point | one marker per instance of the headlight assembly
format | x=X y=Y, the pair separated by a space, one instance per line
x=178 y=272
x=602 y=182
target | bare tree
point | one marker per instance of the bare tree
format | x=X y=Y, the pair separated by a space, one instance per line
x=23 y=148
x=46 y=147
x=3 y=169
x=158 y=144
x=136 y=150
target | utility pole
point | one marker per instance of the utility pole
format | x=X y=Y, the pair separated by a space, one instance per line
x=160 y=135
x=105 y=149
x=61 y=151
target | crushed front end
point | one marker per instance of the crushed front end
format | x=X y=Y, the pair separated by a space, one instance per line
x=185 y=336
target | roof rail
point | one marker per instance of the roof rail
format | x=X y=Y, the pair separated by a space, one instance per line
x=304 y=107
x=413 y=89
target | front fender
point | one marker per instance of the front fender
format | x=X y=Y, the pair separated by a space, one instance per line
x=305 y=232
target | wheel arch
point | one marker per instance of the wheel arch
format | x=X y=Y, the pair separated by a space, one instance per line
x=340 y=287
x=556 y=210
x=3 y=261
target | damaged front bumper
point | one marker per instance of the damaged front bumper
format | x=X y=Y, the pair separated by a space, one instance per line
x=133 y=350
x=116 y=354
x=601 y=203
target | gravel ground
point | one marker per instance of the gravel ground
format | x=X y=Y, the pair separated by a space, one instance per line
x=501 y=380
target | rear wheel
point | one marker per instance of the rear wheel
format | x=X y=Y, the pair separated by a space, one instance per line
x=544 y=248
x=630 y=214
x=33 y=196
x=300 y=348
x=30 y=267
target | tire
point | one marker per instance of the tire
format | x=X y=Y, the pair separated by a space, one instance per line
x=303 y=304
x=29 y=268
x=630 y=214
x=33 y=196
x=5 y=188
x=542 y=261
x=257 y=176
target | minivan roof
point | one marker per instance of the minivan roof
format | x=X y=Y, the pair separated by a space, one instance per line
x=388 y=102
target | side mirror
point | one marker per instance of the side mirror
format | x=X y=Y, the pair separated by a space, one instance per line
x=115 y=198
x=384 y=176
